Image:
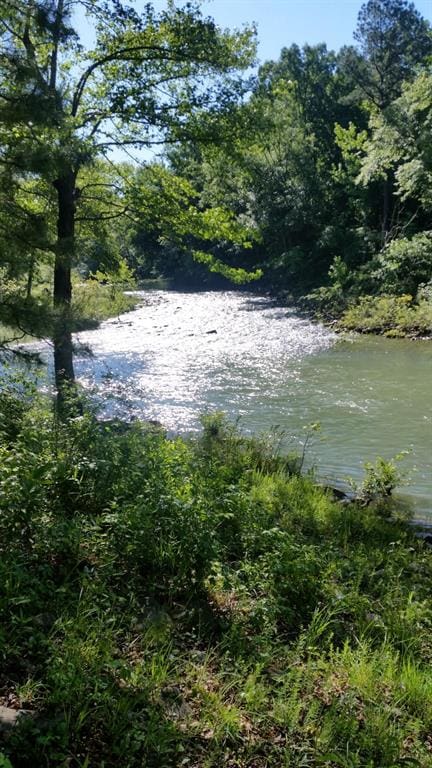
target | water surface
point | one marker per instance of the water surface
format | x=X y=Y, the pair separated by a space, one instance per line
x=182 y=354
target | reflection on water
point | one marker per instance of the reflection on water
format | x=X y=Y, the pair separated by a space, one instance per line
x=181 y=354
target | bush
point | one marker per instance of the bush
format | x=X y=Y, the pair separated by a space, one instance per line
x=405 y=264
x=166 y=602
x=389 y=294
x=94 y=302
x=391 y=315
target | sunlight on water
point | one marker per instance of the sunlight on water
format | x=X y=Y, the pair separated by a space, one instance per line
x=182 y=354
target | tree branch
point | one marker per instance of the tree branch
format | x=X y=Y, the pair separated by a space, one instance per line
x=160 y=52
x=102 y=216
x=56 y=40
x=115 y=56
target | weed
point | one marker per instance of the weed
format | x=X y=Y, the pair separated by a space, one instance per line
x=209 y=606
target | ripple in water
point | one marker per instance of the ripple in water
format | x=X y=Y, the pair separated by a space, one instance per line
x=182 y=354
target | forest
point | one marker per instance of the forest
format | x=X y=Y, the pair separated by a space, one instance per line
x=205 y=599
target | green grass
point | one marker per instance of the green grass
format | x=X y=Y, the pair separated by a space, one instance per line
x=396 y=316
x=169 y=603
x=92 y=303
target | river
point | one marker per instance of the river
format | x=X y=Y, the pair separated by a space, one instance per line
x=182 y=354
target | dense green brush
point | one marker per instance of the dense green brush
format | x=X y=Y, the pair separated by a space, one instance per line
x=199 y=603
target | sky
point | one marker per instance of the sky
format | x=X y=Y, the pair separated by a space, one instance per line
x=283 y=22
x=280 y=23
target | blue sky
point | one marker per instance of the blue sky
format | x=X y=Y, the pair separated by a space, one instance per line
x=283 y=22
x=280 y=23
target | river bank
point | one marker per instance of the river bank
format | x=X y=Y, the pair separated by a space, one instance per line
x=93 y=302
x=271 y=368
x=397 y=317
x=206 y=607
x=392 y=316
x=274 y=370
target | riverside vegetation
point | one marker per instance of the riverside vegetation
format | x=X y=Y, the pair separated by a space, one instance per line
x=27 y=311
x=209 y=606
x=96 y=299
x=170 y=602
x=312 y=177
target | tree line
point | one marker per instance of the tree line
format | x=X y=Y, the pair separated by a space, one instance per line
x=334 y=168
x=312 y=177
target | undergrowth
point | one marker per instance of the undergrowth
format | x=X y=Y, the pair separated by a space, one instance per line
x=24 y=319
x=396 y=316
x=200 y=603
x=95 y=301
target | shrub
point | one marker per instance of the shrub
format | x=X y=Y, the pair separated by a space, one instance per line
x=168 y=602
x=404 y=264
x=94 y=302
x=391 y=315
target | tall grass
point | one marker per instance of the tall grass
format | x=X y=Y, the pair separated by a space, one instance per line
x=200 y=603
x=34 y=317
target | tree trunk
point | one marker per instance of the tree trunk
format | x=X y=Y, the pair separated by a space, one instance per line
x=387 y=190
x=62 y=335
x=30 y=278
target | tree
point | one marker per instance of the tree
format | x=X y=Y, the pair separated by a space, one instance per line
x=150 y=78
x=401 y=144
x=312 y=72
x=172 y=219
x=393 y=39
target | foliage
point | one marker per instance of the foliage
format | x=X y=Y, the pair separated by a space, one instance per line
x=405 y=264
x=312 y=73
x=393 y=39
x=208 y=605
x=381 y=478
x=148 y=78
x=99 y=299
x=391 y=315
x=94 y=300
x=176 y=224
x=399 y=275
x=351 y=142
x=400 y=141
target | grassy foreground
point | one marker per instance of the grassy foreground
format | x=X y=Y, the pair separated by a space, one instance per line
x=168 y=603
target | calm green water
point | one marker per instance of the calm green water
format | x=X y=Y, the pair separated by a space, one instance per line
x=182 y=354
